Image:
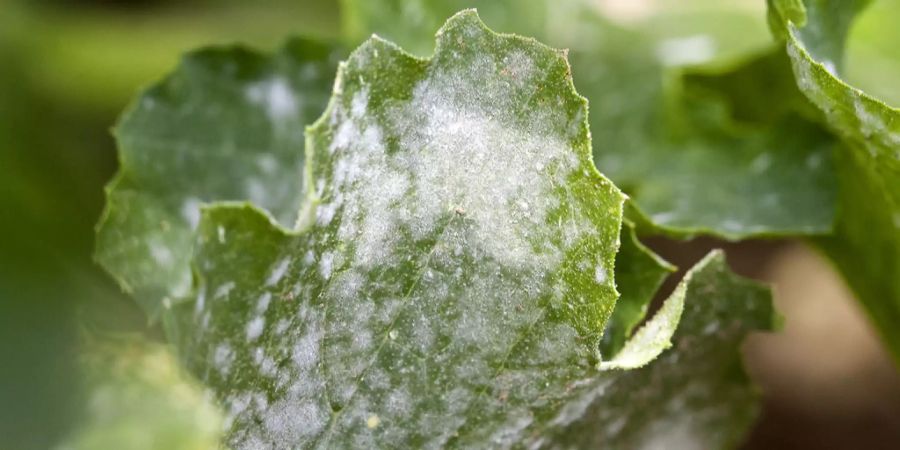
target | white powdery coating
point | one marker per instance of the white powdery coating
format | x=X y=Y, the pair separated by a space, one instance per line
x=276 y=96
x=160 y=252
x=190 y=211
x=223 y=290
x=482 y=175
x=255 y=328
x=262 y=304
x=223 y=357
x=600 y=274
x=278 y=272
x=463 y=184
x=459 y=152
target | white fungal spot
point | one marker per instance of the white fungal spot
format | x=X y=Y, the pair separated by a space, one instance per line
x=160 y=253
x=278 y=272
x=223 y=290
x=190 y=211
x=325 y=265
x=255 y=328
x=223 y=357
x=262 y=304
x=600 y=275
x=276 y=96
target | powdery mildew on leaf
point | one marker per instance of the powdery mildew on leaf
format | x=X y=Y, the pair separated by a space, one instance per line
x=446 y=292
x=693 y=396
x=226 y=125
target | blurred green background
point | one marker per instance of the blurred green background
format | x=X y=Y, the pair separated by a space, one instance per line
x=67 y=68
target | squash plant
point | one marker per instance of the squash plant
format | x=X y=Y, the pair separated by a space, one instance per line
x=371 y=249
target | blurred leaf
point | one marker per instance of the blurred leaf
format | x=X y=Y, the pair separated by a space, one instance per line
x=97 y=57
x=227 y=125
x=139 y=399
x=866 y=242
x=412 y=23
x=872 y=60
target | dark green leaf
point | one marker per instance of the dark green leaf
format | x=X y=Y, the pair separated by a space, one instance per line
x=696 y=394
x=228 y=125
x=866 y=242
x=458 y=272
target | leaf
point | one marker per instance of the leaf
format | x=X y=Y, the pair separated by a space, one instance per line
x=825 y=25
x=138 y=399
x=228 y=125
x=687 y=165
x=866 y=242
x=639 y=274
x=453 y=281
x=653 y=139
x=695 y=395
x=462 y=249
x=411 y=24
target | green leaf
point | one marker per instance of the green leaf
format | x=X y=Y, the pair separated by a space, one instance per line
x=639 y=274
x=695 y=395
x=139 y=399
x=459 y=270
x=825 y=25
x=866 y=242
x=227 y=125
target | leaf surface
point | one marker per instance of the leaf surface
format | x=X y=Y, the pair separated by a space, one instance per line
x=227 y=125
x=866 y=242
x=695 y=395
x=463 y=247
